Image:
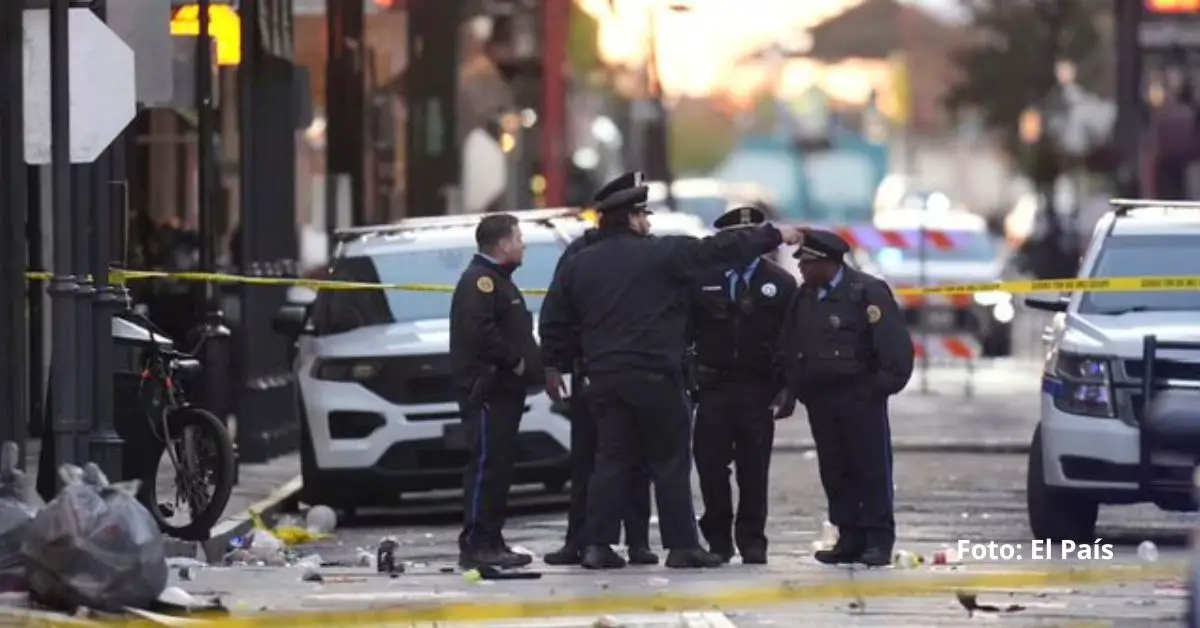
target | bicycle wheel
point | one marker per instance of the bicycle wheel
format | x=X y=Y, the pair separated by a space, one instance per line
x=203 y=475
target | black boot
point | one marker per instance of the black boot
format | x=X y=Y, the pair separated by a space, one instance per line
x=693 y=559
x=642 y=556
x=877 y=551
x=849 y=547
x=601 y=557
x=754 y=555
x=725 y=552
x=492 y=558
x=568 y=554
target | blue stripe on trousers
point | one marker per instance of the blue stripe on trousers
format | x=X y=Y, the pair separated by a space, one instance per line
x=483 y=451
x=887 y=459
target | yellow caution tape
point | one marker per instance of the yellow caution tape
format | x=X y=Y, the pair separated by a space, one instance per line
x=871 y=585
x=1108 y=284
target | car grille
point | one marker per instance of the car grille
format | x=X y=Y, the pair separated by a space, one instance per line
x=415 y=380
x=1164 y=369
x=433 y=455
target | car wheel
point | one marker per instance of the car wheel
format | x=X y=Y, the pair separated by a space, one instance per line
x=555 y=486
x=998 y=343
x=1055 y=513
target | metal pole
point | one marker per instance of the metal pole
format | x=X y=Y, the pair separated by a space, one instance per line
x=35 y=298
x=13 y=326
x=105 y=445
x=63 y=284
x=923 y=337
x=82 y=200
x=204 y=147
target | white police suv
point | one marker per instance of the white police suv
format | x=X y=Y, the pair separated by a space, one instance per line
x=378 y=400
x=1089 y=448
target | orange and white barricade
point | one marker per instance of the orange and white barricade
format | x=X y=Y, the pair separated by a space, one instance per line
x=949 y=350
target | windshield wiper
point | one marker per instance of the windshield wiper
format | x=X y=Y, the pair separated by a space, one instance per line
x=1127 y=310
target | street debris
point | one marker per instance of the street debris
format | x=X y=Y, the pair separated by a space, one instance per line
x=18 y=506
x=828 y=538
x=385 y=557
x=95 y=545
x=970 y=602
x=285 y=533
x=904 y=559
x=487 y=572
x=320 y=520
x=1147 y=551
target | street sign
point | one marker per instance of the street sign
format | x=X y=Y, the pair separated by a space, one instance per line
x=102 y=85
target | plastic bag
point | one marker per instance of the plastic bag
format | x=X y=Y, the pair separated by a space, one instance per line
x=95 y=545
x=18 y=506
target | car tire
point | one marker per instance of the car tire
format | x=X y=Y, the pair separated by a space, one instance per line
x=997 y=344
x=1056 y=513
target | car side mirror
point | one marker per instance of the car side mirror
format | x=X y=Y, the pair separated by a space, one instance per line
x=1047 y=305
x=289 y=321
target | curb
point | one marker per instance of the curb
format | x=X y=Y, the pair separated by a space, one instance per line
x=931 y=446
x=241 y=523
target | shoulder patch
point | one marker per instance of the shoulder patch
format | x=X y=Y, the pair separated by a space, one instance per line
x=873 y=314
x=485 y=285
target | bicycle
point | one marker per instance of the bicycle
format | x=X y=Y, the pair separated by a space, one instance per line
x=197 y=443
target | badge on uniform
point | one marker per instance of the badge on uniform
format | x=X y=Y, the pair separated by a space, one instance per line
x=485 y=285
x=873 y=314
x=768 y=290
x=835 y=321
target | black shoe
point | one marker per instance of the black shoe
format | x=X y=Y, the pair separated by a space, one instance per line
x=725 y=553
x=568 y=554
x=876 y=555
x=754 y=556
x=601 y=557
x=693 y=559
x=642 y=556
x=492 y=558
x=844 y=552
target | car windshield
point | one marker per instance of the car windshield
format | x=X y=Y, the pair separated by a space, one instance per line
x=343 y=310
x=964 y=246
x=1163 y=255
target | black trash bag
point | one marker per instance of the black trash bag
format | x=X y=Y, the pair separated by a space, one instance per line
x=18 y=506
x=95 y=545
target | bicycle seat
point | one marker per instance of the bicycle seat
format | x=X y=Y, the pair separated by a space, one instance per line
x=185 y=366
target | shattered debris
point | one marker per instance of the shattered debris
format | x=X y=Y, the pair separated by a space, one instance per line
x=970 y=602
x=1147 y=551
x=320 y=520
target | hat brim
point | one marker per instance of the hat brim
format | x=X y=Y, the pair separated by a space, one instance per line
x=809 y=255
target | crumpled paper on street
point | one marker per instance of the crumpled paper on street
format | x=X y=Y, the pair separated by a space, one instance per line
x=18 y=506
x=95 y=545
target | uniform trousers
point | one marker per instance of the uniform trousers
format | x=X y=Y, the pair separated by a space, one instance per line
x=492 y=427
x=642 y=419
x=734 y=425
x=636 y=517
x=853 y=436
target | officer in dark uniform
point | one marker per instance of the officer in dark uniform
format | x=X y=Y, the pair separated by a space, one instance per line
x=626 y=298
x=737 y=314
x=495 y=359
x=845 y=350
x=583 y=439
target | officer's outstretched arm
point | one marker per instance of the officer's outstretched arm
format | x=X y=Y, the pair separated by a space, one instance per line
x=785 y=348
x=558 y=326
x=731 y=247
x=892 y=342
x=483 y=326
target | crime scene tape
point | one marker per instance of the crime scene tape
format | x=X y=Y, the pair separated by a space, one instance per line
x=728 y=599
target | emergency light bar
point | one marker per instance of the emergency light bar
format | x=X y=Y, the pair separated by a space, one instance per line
x=445 y=222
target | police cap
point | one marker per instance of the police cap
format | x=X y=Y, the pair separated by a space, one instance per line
x=741 y=216
x=821 y=245
x=628 y=181
x=629 y=200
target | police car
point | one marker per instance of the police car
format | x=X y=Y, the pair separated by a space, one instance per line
x=376 y=389
x=1090 y=447
x=970 y=256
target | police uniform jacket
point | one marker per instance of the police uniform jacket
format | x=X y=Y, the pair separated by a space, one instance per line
x=854 y=336
x=491 y=329
x=626 y=295
x=589 y=237
x=736 y=331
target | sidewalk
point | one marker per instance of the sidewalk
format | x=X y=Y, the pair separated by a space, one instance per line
x=997 y=417
x=262 y=488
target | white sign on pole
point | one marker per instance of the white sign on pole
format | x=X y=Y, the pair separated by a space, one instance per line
x=102 y=85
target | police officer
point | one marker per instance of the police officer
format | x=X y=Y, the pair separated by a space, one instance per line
x=737 y=314
x=845 y=350
x=495 y=358
x=626 y=298
x=583 y=439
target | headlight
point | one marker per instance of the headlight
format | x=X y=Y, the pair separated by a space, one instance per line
x=346 y=370
x=992 y=297
x=1079 y=384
